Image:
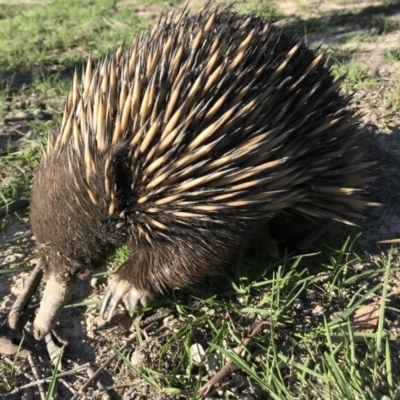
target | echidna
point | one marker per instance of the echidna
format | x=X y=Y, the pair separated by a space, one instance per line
x=181 y=147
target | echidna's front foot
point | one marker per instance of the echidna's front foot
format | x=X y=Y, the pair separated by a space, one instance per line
x=121 y=290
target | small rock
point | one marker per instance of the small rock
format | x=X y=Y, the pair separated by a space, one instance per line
x=197 y=352
x=91 y=323
x=126 y=322
x=375 y=73
x=138 y=359
x=335 y=315
x=212 y=364
x=318 y=310
x=324 y=276
x=358 y=266
x=94 y=282
x=28 y=395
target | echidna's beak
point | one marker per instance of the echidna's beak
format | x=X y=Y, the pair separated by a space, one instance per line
x=55 y=295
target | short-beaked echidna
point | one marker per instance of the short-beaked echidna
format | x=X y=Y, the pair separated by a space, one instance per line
x=181 y=147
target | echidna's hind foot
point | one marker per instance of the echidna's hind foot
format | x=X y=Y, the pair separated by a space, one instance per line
x=120 y=290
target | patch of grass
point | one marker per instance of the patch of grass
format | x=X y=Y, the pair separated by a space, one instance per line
x=391 y=100
x=161 y=3
x=16 y=171
x=360 y=37
x=341 y=54
x=7 y=374
x=266 y=8
x=60 y=32
x=3 y=103
x=17 y=166
x=389 y=7
x=378 y=24
x=392 y=55
x=52 y=86
x=357 y=76
x=310 y=25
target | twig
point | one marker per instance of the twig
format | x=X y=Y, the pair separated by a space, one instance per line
x=160 y=314
x=37 y=377
x=19 y=119
x=49 y=378
x=230 y=366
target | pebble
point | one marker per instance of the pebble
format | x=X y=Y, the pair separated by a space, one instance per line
x=197 y=352
x=318 y=310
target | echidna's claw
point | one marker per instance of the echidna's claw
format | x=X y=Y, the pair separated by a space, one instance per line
x=117 y=291
x=133 y=302
x=112 y=305
x=104 y=303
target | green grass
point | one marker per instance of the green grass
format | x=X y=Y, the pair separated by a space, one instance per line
x=54 y=33
x=308 y=348
x=16 y=170
x=392 y=100
x=265 y=8
x=357 y=75
x=392 y=55
x=378 y=24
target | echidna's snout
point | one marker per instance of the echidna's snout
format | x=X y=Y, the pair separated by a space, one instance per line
x=55 y=296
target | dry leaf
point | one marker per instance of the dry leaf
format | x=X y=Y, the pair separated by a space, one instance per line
x=366 y=318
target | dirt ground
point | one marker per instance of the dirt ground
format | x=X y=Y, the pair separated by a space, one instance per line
x=89 y=339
